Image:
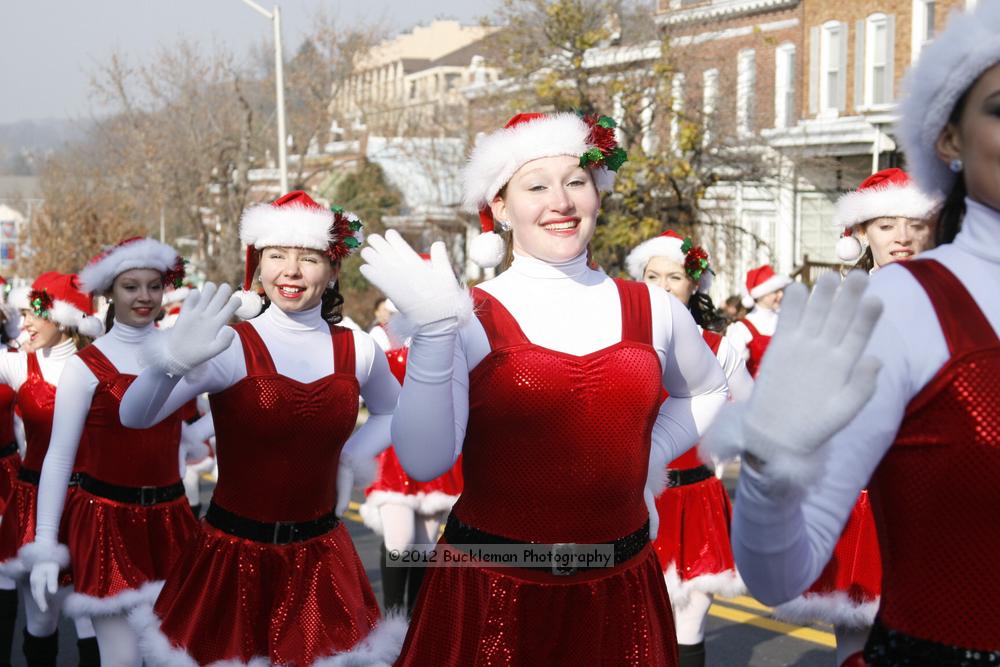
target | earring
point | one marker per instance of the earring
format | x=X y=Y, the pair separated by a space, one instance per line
x=956 y=166
x=503 y=225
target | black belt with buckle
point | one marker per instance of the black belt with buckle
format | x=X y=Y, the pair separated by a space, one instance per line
x=8 y=450
x=887 y=647
x=282 y=532
x=133 y=495
x=28 y=475
x=625 y=548
x=677 y=478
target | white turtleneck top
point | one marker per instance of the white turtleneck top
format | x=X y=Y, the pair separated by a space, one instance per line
x=51 y=360
x=738 y=335
x=567 y=307
x=299 y=344
x=783 y=537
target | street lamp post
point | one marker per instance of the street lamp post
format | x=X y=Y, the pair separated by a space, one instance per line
x=279 y=85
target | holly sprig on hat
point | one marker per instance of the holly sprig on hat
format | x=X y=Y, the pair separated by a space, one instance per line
x=40 y=302
x=347 y=233
x=695 y=260
x=604 y=151
x=175 y=276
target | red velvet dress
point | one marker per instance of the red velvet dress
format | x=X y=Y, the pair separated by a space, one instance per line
x=10 y=459
x=935 y=498
x=693 y=540
x=278 y=444
x=756 y=347
x=36 y=400
x=120 y=552
x=556 y=450
x=393 y=485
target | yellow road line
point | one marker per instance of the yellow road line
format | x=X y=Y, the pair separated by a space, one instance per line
x=806 y=634
x=353 y=516
x=746 y=601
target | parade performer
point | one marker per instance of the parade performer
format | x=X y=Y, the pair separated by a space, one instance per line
x=693 y=540
x=891 y=215
x=128 y=521
x=918 y=414
x=551 y=393
x=59 y=320
x=403 y=510
x=273 y=559
x=751 y=335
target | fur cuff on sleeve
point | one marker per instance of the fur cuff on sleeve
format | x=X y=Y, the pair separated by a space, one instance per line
x=44 y=552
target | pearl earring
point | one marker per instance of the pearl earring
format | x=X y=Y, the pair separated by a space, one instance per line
x=956 y=166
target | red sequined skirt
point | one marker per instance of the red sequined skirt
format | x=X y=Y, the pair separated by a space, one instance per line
x=510 y=616
x=235 y=599
x=393 y=485
x=17 y=528
x=847 y=592
x=9 y=465
x=120 y=552
x=692 y=543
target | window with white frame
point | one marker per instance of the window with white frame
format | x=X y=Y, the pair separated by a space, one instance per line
x=677 y=107
x=746 y=75
x=924 y=13
x=709 y=103
x=832 y=67
x=878 y=43
x=784 y=86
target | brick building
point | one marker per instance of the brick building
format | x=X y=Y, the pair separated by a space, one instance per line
x=813 y=84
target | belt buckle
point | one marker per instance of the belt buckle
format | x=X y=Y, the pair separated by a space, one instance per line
x=560 y=548
x=284 y=532
x=147 y=496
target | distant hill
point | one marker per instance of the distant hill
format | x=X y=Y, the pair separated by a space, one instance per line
x=24 y=142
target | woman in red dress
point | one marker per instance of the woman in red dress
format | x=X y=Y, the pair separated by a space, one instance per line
x=551 y=394
x=273 y=559
x=693 y=541
x=128 y=521
x=915 y=420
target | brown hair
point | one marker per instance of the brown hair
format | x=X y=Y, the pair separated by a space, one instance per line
x=949 y=220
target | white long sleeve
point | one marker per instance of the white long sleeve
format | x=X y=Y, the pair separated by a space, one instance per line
x=51 y=361
x=566 y=307
x=73 y=397
x=299 y=345
x=735 y=367
x=782 y=538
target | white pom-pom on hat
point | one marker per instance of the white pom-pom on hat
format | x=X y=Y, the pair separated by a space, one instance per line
x=487 y=250
x=849 y=248
x=250 y=304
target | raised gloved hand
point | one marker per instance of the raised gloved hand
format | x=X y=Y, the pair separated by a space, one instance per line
x=11 y=320
x=44 y=558
x=199 y=333
x=812 y=383
x=424 y=292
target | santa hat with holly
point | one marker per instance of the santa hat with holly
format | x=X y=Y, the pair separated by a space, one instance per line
x=761 y=282
x=59 y=298
x=526 y=137
x=293 y=221
x=677 y=249
x=133 y=253
x=889 y=193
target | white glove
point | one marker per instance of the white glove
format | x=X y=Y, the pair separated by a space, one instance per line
x=812 y=383
x=45 y=559
x=424 y=292
x=12 y=321
x=199 y=333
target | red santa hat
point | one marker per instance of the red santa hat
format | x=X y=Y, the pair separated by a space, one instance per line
x=294 y=221
x=58 y=298
x=526 y=137
x=677 y=249
x=134 y=253
x=890 y=193
x=947 y=68
x=761 y=282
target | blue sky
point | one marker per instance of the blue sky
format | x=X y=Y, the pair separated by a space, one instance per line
x=48 y=47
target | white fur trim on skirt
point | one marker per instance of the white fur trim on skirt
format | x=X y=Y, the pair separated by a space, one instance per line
x=379 y=649
x=421 y=503
x=836 y=608
x=78 y=604
x=726 y=584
